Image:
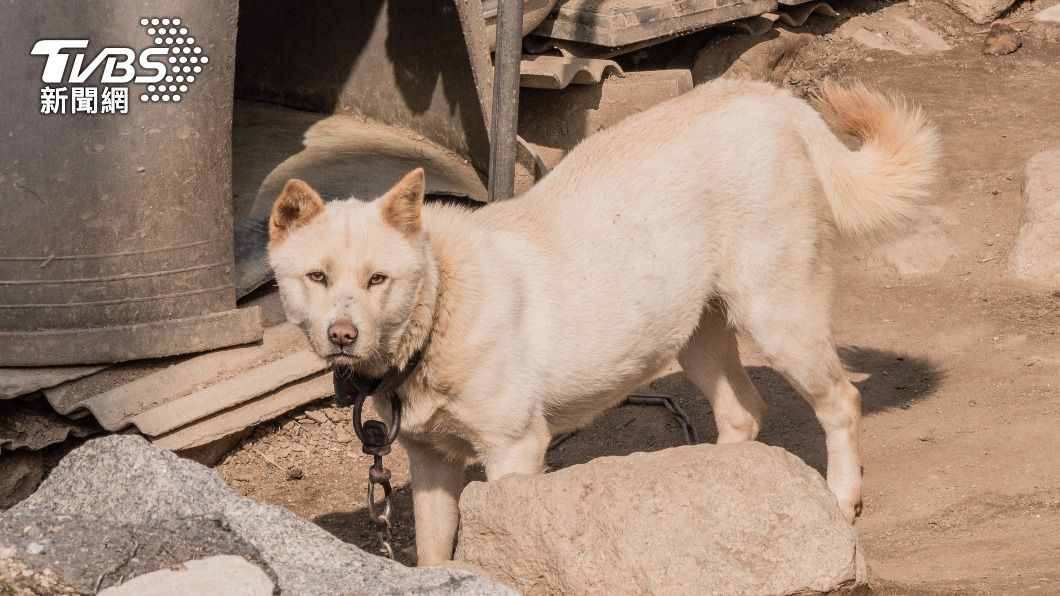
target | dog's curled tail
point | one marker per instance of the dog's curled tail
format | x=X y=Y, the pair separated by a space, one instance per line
x=875 y=191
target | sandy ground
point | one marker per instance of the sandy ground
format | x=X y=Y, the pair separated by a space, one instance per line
x=959 y=369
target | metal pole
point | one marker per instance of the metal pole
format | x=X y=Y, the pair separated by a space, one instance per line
x=505 y=117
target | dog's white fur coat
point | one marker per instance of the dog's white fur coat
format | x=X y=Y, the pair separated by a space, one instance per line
x=654 y=240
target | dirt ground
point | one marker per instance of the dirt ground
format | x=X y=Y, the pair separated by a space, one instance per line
x=959 y=369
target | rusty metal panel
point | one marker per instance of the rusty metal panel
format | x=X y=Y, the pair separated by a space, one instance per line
x=115 y=223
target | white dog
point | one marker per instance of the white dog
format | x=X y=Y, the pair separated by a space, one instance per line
x=657 y=239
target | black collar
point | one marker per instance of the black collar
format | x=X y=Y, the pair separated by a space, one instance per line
x=351 y=386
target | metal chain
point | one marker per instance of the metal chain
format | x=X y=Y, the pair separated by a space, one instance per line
x=379 y=475
x=648 y=399
x=376 y=438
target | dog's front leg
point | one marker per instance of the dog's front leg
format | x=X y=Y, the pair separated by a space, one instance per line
x=436 y=485
x=520 y=455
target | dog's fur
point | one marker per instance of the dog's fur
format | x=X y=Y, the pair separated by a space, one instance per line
x=652 y=241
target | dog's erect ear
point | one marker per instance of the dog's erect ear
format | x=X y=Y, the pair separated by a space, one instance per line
x=298 y=203
x=401 y=205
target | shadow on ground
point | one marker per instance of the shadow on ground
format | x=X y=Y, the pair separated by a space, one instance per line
x=886 y=380
x=355 y=527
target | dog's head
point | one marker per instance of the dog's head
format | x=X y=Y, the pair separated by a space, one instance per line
x=350 y=272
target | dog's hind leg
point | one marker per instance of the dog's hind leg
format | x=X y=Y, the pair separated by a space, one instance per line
x=711 y=360
x=793 y=330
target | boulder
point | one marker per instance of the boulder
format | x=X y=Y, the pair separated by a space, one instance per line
x=1036 y=254
x=150 y=509
x=980 y=11
x=706 y=519
x=221 y=575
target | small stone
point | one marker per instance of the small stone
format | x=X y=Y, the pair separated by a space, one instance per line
x=335 y=415
x=343 y=437
x=35 y=548
x=7 y=552
x=316 y=416
x=295 y=474
x=1001 y=40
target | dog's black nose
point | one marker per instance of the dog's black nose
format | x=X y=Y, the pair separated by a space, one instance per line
x=342 y=332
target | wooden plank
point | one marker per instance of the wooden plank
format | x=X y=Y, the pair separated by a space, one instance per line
x=226 y=394
x=233 y=420
x=124 y=393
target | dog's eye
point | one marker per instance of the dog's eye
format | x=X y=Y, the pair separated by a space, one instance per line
x=317 y=276
x=376 y=279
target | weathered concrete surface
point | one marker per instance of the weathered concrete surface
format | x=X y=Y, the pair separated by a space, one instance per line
x=143 y=502
x=705 y=519
x=221 y=575
x=1036 y=254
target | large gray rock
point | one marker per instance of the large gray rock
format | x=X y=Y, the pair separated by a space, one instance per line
x=1036 y=255
x=220 y=575
x=119 y=507
x=706 y=519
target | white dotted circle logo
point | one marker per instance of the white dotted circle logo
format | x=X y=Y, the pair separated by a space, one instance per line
x=184 y=58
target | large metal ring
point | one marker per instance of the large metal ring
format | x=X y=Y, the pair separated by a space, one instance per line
x=392 y=428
